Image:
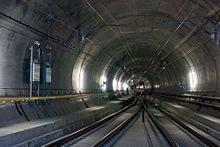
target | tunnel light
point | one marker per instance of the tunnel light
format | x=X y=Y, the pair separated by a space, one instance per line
x=103 y=87
x=125 y=86
x=37 y=43
x=157 y=86
x=103 y=80
x=193 y=80
x=119 y=85
x=114 y=85
x=80 y=80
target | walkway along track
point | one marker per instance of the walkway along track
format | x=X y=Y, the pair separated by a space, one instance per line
x=202 y=101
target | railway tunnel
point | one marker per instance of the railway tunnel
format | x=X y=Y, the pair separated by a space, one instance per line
x=67 y=68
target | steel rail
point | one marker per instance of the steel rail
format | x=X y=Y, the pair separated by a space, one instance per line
x=74 y=135
x=115 y=131
x=190 y=129
x=163 y=131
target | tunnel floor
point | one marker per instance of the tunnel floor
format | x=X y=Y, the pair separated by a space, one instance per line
x=127 y=121
x=146 y=124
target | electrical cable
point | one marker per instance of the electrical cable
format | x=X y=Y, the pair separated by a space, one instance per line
x=23 y=111
x=44 y=35
x=18 y=110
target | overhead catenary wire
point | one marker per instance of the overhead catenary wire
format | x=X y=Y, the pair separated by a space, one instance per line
x=160 y=47
x=34 y=8
x=66 y=50
x=194 y=48
x=55 y=40
x=124 y=44
x=210 y=13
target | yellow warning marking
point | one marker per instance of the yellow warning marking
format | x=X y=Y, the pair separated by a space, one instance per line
x=9 y=99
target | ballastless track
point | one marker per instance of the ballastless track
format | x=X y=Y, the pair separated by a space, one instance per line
x=138 y=124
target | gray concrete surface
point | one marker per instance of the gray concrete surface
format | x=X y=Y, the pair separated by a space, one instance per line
x=141 y=134
x=42 y=130
x=95 y=136
x=180 y=135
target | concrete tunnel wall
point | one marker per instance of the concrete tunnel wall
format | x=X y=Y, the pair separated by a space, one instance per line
x=114 y=53
x=16 y=39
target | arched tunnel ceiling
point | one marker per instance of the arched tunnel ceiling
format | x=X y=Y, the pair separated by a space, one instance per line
x=147 y=42
x=127 y=37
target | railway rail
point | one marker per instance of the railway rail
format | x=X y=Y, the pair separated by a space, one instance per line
x=70 y=137
x=158 y=128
